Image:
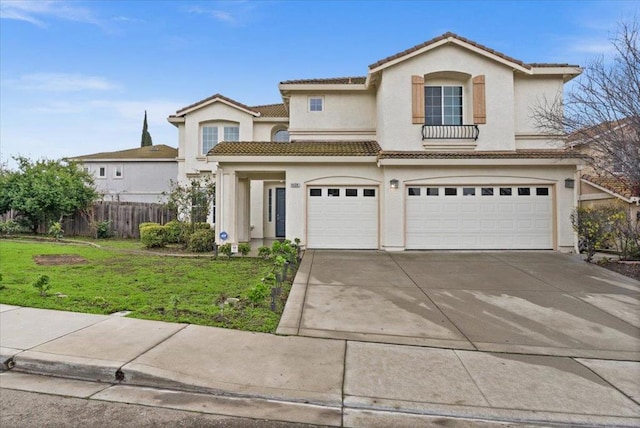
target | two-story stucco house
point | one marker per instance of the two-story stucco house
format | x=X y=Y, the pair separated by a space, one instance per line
x=142 y=174
x=433 y=149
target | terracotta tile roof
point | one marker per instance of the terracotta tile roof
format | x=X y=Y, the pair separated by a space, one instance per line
x=518 y=154
x=296 y=148
x=353 y=80
x=618 y=185
x=159 y=151
x=551 y=64
x=271 y=110
x=465 y=40
x=212 y=97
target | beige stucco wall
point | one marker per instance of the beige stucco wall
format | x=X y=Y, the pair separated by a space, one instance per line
x=346 y=115
x=532 y=92
x=392 y=215
x=395 y=130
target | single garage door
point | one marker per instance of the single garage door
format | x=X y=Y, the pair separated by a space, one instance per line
x=342 y=217
x=479 y=217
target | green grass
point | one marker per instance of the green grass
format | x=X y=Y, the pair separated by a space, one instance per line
x=114 y=279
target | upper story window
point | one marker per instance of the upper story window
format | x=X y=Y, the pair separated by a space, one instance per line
x=118 y=171
x=209 y=138
x=281 y=136
x=102 y=172
x=316 y=103
x=212 y=134
x=231 y=133
x=443 y=105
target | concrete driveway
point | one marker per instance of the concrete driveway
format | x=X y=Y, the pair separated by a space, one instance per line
x=519 y=302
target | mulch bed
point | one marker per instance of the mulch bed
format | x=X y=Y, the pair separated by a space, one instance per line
x=59 y=259
x=630 y=269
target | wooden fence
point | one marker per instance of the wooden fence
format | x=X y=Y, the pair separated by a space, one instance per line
x=124 y=216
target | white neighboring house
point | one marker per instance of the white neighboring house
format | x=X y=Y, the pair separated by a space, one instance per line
x=434 y=148
x=134 y=175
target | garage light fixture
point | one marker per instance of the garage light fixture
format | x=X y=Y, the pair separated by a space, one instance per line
x=569 y=183
x=394 y=183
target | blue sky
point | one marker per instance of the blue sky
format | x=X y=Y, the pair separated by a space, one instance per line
x=76 y=76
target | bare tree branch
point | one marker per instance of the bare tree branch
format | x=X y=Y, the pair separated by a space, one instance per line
x=602 y=112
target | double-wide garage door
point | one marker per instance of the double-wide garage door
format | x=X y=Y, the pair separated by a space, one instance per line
x=479 y=217
x=342 y=217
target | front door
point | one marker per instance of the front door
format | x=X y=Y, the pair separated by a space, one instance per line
x=280 y=212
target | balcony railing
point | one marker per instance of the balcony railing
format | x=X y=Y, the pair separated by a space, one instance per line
x=450 y=132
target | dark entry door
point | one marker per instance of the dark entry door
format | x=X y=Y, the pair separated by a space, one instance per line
x=280 y=212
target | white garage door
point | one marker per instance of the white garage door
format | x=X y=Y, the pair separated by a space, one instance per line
x=490 y=217
x=342 y=217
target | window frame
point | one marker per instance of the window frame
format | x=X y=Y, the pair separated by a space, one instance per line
x=99 y=170
x=314 y=107
x=116 y=169
x=443 y=115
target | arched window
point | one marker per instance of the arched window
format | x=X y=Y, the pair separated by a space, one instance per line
x=281 y=136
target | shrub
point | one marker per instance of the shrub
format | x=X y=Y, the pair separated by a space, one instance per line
x=264 y=252
x=201 y=226
x=201 y=241
x=103 y=229
x=244 y=248
x=594 y=227
x=225 y=249
x=56 y=230
x=147 y=224
x=153 y=236
x=259 y=293
x=176 y=232
x=42 y=285
x=11 y=227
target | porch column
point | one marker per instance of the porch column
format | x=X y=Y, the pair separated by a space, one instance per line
x=243 y=203
x=226 y=187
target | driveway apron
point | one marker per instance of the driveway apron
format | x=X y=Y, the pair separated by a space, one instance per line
x=524 y=302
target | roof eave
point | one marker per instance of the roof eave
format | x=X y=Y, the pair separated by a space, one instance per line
x=215 y=100
x=633 y=199
x=286 y=87
x=458 y=42
x=289 y=159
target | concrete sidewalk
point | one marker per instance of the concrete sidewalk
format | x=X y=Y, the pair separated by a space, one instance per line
x=310 y=380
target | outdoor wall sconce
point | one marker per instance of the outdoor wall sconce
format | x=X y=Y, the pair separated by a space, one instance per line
x=394 y=183
x=569 y=183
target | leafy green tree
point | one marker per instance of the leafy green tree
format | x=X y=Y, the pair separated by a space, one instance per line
x=46 y=190
x=146 y=137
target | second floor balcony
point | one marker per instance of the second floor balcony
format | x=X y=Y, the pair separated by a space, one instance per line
x=450 y=132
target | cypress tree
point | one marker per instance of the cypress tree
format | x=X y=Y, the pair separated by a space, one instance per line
x=146 y=137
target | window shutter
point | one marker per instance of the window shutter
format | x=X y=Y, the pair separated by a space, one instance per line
x=479 y=102
x=417 y=99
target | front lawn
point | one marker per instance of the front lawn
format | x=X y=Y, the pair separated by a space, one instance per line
x=111 y=279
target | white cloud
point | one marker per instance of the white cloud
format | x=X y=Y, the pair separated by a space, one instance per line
x=37 y=12
x=60 y=82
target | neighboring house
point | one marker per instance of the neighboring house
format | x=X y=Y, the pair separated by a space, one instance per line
x=134 y=175
x=598 y=191
x=606 y=180
x=434 y=148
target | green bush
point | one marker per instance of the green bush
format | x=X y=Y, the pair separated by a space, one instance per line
x=244 y=248
x=147 y=224
x=11 y=227
x=56 y=230
x=225 y=249
x=153 y=236
x=264 y=252
x=201 y=241
x=176 y=232
x=103 y=229
x=259 y=293
x=42 y=285
x=201 y=226
x=594 y=227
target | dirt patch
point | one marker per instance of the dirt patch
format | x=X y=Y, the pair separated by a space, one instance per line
x=59 y=259
x=630 y=269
